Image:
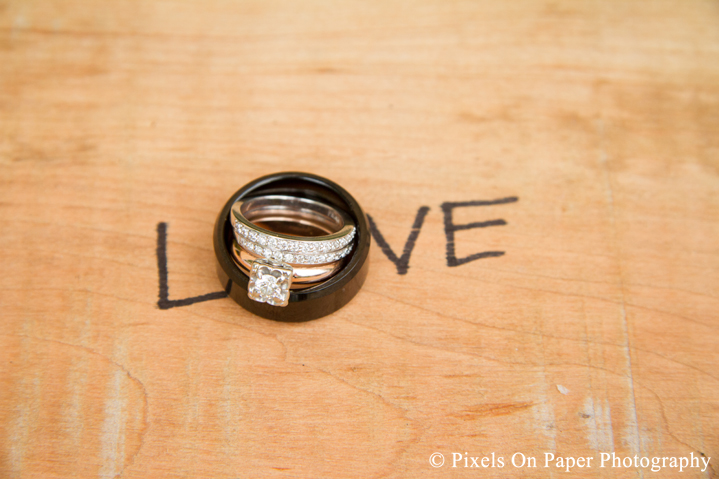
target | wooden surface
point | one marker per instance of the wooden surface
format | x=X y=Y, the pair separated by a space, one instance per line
x=596 y=331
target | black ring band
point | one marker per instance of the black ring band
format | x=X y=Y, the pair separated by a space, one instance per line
x=311 y=303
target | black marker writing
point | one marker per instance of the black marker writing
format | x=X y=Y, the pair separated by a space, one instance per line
x=450 y=228
x=402 y=263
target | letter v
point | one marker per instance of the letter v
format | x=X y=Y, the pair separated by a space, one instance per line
x=402 y=263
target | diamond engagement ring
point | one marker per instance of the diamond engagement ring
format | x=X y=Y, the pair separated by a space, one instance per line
x=304 y=235
x=284 y=237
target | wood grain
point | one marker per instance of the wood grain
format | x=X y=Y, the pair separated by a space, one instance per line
x=596 y=331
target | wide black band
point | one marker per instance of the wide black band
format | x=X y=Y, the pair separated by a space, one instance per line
x=310 y=303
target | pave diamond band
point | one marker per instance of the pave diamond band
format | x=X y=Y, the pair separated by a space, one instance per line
x=281 y=231
x=279 y=255
x=291 y=224
x=274 y=243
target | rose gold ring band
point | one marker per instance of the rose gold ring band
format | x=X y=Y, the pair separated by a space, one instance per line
x=304 y=276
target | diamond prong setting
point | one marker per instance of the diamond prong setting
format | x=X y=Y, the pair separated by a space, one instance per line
x=270 y=283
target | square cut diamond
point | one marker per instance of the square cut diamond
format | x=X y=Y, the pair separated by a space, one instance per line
x=270 y=283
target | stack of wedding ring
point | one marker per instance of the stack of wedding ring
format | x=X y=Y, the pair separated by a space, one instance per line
x=288 y=243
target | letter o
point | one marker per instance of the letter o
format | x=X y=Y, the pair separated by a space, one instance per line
x=524 y=460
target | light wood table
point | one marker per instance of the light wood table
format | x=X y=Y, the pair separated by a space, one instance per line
x=596 y=331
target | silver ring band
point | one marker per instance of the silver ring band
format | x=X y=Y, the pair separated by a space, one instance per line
x=249 y=216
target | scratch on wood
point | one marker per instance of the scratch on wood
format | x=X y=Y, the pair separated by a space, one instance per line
x=632 y=429
x=493 y=409
x=544 y=421
x=113 y=436
x=73 y=413
x=20 y=429
x=599 y=425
